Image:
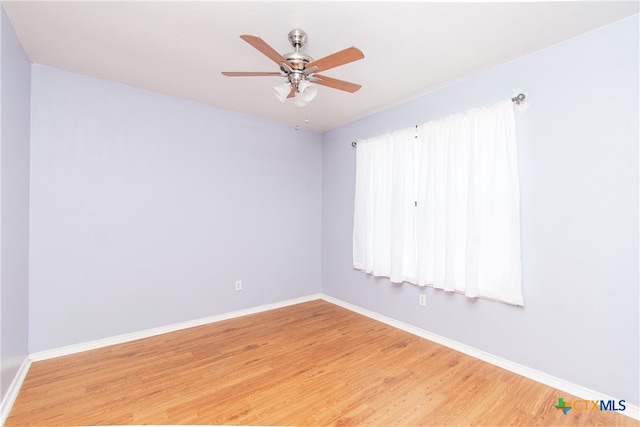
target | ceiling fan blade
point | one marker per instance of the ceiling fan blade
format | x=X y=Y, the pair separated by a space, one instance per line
x=250 y=73
x=310 y=70
x=264 y=48
x=345 y=56
x=285 y=68
x=337 y=84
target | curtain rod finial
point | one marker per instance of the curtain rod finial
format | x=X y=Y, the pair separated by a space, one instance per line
x=354 y=144
x=519 y=98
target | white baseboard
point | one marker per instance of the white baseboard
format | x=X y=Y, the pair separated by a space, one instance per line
x=119 y=339
x=632 y=411
x=13 y=390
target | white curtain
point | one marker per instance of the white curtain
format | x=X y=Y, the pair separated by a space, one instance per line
x=438 y=205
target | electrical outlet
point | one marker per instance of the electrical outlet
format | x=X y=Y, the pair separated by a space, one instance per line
x=422 y=300
x=238 y=285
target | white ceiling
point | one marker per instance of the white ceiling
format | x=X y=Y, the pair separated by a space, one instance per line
x=179 y=48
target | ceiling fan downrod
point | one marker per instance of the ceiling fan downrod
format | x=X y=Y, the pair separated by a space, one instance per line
x=297 y=59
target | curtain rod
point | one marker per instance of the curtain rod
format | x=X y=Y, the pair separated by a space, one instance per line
x=518 y=99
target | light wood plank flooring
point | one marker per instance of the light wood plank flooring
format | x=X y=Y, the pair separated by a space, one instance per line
x=308 y=364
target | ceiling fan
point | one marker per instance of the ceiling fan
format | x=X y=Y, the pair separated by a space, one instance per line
x=299 y=69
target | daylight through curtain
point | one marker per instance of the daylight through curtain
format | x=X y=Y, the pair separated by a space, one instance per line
x=438 y=205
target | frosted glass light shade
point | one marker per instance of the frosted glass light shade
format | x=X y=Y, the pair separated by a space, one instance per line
x=299 y=100
x=307 y=90
x=282 y=91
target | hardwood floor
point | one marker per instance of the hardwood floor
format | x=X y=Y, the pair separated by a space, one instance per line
x=308 y=364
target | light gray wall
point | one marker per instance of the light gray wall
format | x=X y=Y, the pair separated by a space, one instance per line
x=578 y=154
x=146 y=209
x=14 y=202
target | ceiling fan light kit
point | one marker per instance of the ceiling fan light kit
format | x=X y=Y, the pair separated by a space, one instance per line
x=305 y=93
x=282 y=91
x=299 y=69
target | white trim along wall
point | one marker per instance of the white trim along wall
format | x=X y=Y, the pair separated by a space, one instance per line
x=566 y=386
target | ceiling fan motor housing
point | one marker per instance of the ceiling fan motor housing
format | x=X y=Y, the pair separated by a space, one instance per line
x=297 y=59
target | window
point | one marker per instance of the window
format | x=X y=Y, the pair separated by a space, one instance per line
x=438 y=205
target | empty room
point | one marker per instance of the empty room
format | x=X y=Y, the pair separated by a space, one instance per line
x=319 y=213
